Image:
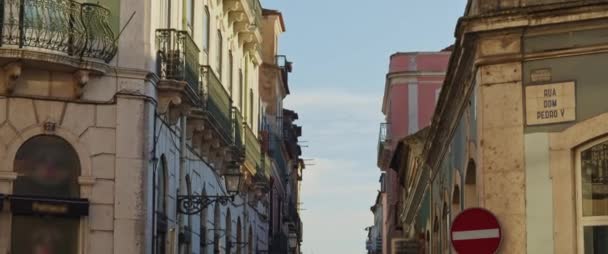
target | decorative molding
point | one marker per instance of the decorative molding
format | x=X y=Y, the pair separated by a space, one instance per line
x=13 y=73
x=81 y=77
x=8 y=176
x=86 y=180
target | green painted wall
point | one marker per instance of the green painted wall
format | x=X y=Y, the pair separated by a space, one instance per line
x=539 y=194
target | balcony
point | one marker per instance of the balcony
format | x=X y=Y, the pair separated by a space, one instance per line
x=217 y=104
x=253 y=152
x=178 y=58
x=384 y=140
x=72 y=34
x=276 y=144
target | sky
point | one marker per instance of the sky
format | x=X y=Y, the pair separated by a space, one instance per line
x=341 y=50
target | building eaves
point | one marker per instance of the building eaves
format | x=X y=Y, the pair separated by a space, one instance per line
x=270 y=12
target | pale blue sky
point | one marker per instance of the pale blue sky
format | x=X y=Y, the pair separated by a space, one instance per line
x=340 y=50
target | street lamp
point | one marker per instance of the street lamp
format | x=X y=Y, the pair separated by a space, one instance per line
x=194 y=204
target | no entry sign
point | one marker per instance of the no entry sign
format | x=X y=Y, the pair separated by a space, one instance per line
x=475 y=231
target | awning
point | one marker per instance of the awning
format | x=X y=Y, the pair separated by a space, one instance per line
x=30 y=205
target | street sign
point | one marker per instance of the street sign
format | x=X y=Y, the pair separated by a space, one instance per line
x=475 y=231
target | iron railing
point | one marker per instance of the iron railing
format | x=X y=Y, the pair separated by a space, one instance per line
x=64 y=26
x=237 y=127
x=253 y=152
x=178 y=57
x=217 y=102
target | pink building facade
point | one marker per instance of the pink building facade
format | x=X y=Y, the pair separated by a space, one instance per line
x=413 y=84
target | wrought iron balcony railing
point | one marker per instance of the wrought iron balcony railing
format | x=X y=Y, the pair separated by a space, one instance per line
x=237 y=125
x=178 y=57
x=217 y=103
x=253 y=152
x=60 y=26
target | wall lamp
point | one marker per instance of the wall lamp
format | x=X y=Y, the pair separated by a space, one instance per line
x=194 y=204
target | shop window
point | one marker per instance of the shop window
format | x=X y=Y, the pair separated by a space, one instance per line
x=47 y=167
x=593 y=197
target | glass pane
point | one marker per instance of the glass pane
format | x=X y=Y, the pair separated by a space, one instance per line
x=596 y=240
x=594 y=184
x=44 y=235
x=47 y=166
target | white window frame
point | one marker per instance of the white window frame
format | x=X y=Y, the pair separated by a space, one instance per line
x=582 y=221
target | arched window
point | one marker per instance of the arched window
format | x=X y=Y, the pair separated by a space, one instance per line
x=250 y=242
x=216 y=229
x=228 y=239
x=203 y=227
x=46 y=166
x=239 y=237
x=470 y=186
x=161 y=206
x=455 y=202
x=592 y=205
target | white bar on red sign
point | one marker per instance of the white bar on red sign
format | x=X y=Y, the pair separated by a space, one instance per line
x=476 y=234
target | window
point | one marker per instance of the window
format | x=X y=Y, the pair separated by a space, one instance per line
x=206 y=27
x=216 y=229
x=220 y=52
x=241 y=90
x=203 y=227
x=228 y=235
x=250 y=241
x=239 y=237
x=251 y=108
x=161 y=207
x=592 y=178
x=46 y=166
x=230 y=71
x=190 y=16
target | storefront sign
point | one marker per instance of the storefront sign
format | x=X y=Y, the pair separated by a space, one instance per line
x=23 y=205
x=551 y=103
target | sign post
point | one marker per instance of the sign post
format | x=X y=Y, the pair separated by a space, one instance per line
x=475 y=231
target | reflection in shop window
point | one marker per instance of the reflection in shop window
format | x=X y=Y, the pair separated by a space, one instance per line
x=46 y=166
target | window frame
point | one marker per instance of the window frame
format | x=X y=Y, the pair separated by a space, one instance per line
x=581 y=220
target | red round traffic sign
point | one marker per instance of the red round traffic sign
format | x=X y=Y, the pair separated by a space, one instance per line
x=475 y=231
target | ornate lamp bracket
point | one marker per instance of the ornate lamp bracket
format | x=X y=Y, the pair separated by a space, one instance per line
x=194 y=204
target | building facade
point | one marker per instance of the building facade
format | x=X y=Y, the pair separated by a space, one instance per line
x=519 y=130
x=412 y=87
x=135 y=127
